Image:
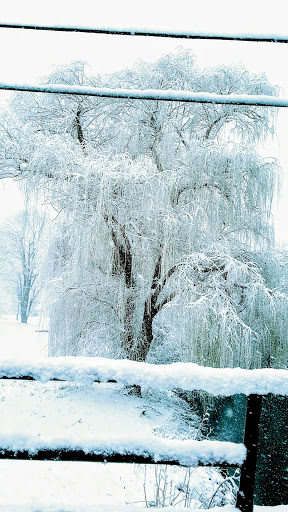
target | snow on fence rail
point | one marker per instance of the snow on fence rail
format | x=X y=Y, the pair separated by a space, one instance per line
x=148 y=449
x=262 y=38
x=187 y=376
x=152 y=94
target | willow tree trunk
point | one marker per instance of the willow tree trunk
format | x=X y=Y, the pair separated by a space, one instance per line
x=143 y=344
x=127 y=340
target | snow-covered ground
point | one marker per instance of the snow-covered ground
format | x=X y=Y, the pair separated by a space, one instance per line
x=66 y=409
x=22 y=341
x=69 y=409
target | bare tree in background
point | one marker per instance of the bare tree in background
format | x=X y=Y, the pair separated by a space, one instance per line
x=22 y=240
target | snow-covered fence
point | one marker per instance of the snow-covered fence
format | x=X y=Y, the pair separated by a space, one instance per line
x=152 y=450
x=188 y=376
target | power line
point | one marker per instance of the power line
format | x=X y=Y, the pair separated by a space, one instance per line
x=152 y=94
x=260 y=38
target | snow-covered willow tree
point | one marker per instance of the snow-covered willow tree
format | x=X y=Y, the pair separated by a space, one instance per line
x=164 y=234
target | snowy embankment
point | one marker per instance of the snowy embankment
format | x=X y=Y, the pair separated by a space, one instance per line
x=63 y=413
x=187 y=376
x=35 y=414
x=112 y=424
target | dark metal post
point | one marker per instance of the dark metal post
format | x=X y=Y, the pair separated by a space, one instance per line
x=252 y=427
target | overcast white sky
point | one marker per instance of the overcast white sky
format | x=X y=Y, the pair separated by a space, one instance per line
x=28 y=55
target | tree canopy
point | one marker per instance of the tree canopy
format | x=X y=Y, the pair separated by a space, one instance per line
x=163 y=244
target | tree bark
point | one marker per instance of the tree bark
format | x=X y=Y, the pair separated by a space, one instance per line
x=24 y=317
x=137 y=349
x=153 y=305
x=144 y=343
x=128 y=334
x=79 y=130
x=124 y=262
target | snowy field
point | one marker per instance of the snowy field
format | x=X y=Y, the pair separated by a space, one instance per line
x=68 y=409
x=63 y=409
x=22 y=341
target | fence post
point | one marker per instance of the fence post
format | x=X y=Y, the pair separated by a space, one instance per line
x=245 y=494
